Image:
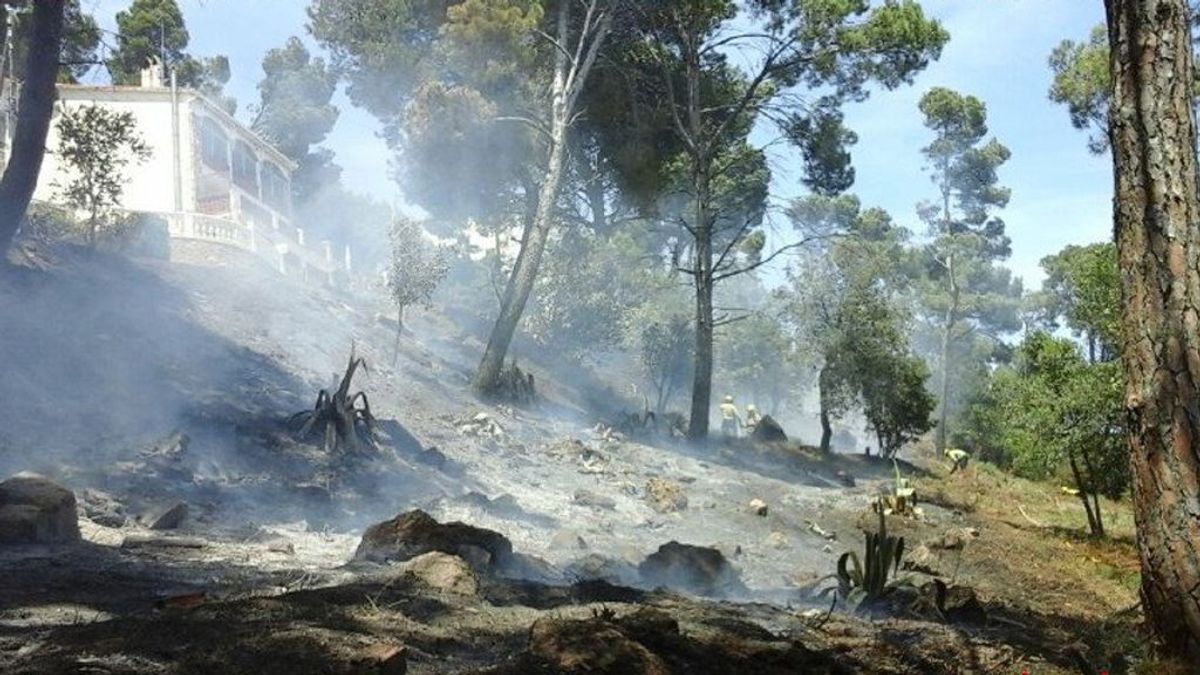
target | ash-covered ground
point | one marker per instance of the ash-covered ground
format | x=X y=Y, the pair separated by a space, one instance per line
x=142 y=387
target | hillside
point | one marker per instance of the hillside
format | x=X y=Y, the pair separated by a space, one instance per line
x=108 y=361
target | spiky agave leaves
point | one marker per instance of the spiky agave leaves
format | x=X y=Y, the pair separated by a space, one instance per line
x=344 y=420
x=864 y=582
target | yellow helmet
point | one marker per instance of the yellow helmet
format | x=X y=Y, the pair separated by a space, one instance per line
x=729 y=399
x=750 y=407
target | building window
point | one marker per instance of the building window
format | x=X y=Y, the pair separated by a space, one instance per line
x=245 y=168
x=275 y=188
x=214 y=145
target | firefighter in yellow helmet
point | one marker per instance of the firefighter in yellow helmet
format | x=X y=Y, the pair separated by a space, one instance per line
x=730 y=419
x=753 y=417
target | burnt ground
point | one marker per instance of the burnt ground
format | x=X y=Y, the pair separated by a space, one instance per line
x=110 y=358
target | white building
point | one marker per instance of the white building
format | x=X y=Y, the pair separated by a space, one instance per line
x=208 y=177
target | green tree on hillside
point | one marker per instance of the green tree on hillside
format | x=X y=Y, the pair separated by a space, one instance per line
x=457 y=81
x=804 y=58
x=968 y=299
x=848 y=302
x=1052 y=414
x=97 y=144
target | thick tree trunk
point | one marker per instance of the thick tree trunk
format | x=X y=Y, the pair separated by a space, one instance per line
x=33 y=118
x=702 y=268
x=1157 y=214
x=702 y=373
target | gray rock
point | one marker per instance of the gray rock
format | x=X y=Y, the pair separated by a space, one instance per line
x=589 y=498
x=36 y=510
x=169 y=518
x=102 y=508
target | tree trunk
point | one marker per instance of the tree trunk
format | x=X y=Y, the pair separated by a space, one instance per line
x=702 y=268
x=1157 y=215
x=33 y=118
x=569 y=75
x=1093 y=490
x=823 y=397
x=399 y=332
x=533 y=242
x=1082 y=486
x=947 y=350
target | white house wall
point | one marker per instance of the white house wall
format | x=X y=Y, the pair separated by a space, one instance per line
x=150 y=184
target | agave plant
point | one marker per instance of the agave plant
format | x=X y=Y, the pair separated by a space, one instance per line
x=864 y=582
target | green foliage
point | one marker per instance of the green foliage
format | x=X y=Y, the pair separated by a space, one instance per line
x=848 y=303
x=417 y=265
x=80 y=41
x=155 y=29
x=1054 y=416
x=1082 y=291
x=665 y=349
x=1081 y=82
x=295 y=113
x=968 y=300
x=97 y=145
x=585 y=288
x=758 y=359
x=865 y=584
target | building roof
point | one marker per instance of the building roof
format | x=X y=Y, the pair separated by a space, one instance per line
x=132 y=93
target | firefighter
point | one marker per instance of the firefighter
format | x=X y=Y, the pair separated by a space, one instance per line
x=730 y=419
x=752 y=417
x=959 y=457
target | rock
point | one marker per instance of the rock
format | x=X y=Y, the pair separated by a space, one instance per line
x=959 y=603
x=953 y=540
x=36 y=510
x=699 y=570
x=411 y=534
x=433 y=457
x=777 y=540
x=102 y=508
x=758 y=507
x=445 y=572
x=768 y=431
x=169 y=518
x=169 y=458
x=595 y=566
x=383 y=659
x=665 y=496
x=589 y=498
x=566 y=540
x=592 y=646
x=730 y=551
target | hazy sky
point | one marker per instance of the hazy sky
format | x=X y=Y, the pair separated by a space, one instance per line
x=997 y=51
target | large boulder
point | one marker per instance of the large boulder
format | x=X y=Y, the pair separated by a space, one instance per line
x=695 y=569
x=414 y=533
x=36 y=510
x=768 y=431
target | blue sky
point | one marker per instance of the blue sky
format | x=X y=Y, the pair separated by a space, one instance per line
x=997 y=51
